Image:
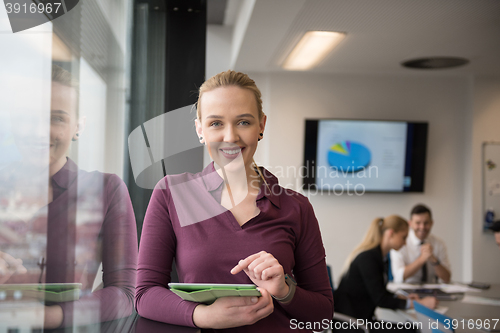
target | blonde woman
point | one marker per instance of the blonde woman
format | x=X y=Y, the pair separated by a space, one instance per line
x=232 y=223
x=363 y=284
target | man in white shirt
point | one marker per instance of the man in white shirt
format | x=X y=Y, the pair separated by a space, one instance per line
x=424 y=258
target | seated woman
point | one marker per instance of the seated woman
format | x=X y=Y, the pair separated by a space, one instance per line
x=81 y=220
x=364 y=278
x=232 y=223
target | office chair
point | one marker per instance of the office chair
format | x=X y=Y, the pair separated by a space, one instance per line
x=426 y=316
x=340 y=316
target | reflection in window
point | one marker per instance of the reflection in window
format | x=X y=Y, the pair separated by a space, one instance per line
x=68 y=242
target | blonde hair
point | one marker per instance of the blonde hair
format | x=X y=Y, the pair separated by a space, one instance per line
x=227 y=79
x=64 y=78
x=373 y=236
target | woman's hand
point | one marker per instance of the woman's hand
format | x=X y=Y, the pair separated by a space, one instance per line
x=227 y=312
x=53 y=316
x=413 y=297
x=265 y=271
x=429 y=301
x=10 y=266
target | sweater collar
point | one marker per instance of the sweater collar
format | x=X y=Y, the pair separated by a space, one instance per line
x=213 y=182
x=67 y=175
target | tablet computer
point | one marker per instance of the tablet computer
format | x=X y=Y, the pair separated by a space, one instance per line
x=208 y=292
x=49 y=292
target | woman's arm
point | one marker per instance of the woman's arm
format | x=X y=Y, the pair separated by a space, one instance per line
x=119 y=261
x=313 y=299
x=156 y=252
x=119 y=254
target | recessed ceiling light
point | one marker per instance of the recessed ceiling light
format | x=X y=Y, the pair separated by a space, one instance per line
x=435 y=63
x=312 y=48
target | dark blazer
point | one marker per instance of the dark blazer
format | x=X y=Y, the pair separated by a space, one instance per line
x=363 y=288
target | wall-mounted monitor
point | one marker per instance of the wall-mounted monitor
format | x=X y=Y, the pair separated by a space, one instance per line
x=358 y=156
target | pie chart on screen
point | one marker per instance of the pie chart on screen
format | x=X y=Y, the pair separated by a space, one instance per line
x=349 y=156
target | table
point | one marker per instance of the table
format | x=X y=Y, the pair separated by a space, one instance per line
x=460 y=310
x=456 y=310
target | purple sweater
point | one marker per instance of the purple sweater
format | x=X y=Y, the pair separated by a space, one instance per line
x=206 y=250
x=91 y=220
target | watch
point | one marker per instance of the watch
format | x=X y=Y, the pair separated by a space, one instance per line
x=437 y=262
x=291 y=290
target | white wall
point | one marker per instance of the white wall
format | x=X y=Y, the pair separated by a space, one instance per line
x=218 y=49
x=91 y=150
x=486 y=127
x=444 y=102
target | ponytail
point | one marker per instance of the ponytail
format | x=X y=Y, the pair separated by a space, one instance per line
x=373 y=236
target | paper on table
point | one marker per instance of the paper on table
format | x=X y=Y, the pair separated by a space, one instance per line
x=431 y=286
x=447 y=288
x=441 y=309
x=457 y=288
x=480 y=300
x=393 y=287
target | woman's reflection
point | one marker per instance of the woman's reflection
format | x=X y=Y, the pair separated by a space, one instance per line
x=89 y=222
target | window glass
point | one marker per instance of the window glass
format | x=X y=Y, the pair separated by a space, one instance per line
x=68 y=240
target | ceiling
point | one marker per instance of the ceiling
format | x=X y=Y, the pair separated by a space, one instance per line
x=380 y=34
x=215 y=11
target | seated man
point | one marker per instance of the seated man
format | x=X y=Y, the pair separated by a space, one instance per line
x=496 y=230
x=424 y=258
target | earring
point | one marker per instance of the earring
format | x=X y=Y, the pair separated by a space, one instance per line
x=261 y=135
x=77 y=135
x=201 y=138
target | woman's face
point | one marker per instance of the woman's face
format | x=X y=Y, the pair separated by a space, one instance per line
x=230 y=125
x=398 y=239
x=63 y=123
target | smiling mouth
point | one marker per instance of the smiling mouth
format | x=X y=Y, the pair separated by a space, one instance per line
x=231 y=151
x=38 y=146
